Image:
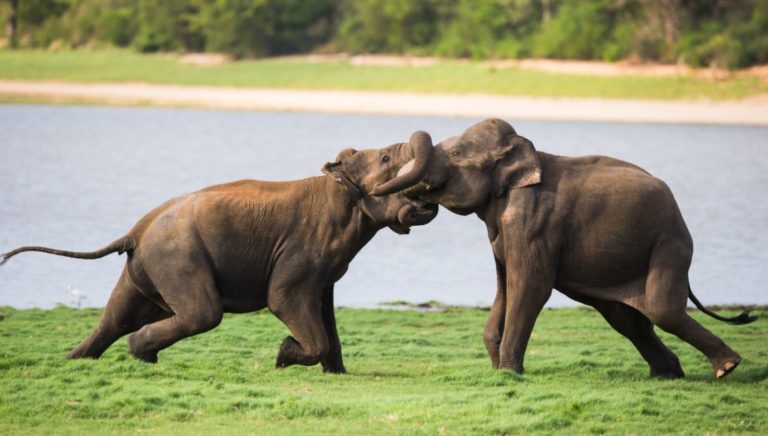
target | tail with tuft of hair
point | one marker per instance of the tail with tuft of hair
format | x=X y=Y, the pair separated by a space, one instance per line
x=740 y=319
x=120 y=246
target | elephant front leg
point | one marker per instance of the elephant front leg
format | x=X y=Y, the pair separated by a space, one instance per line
x=301 y=312
x=523 y=307
x=527 y=292
x=494 y=327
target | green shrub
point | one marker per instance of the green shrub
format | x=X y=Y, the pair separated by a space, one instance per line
x=578 y=31
x=480 y=29
x=751 y=29
x=722 y=50
x=247 y=28
x=117 y=26
x=387 y=26
x=237 y=27
x=167 y=25
x=711 y=45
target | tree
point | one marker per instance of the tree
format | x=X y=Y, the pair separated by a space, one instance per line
x=387 y=26
x=11 y=25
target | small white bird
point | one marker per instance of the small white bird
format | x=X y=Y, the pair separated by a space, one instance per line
x=77 y=296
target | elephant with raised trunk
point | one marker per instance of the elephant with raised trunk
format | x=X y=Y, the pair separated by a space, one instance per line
x=243 y=246
x=604 y=232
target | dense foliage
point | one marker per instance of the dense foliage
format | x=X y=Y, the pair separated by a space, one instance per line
x=730 y=33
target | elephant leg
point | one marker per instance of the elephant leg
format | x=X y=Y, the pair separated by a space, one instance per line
x=127 y=310
x=666 y=297
x=192 y=297
x=530 y=276
x=634 y=326
x=494 y=327
x=522 y=309
x=309 y=344
x=333 y=362
x=527 y=292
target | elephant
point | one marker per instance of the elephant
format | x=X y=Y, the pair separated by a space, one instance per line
x=243 y=246
x=603 y=232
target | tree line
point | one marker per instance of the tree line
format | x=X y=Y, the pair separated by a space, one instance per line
x=725 y=33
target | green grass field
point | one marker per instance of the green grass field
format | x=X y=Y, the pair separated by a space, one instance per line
x=409 y=372
x=445 y=77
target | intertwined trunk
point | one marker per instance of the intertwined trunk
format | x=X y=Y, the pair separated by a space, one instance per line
x=421 y=145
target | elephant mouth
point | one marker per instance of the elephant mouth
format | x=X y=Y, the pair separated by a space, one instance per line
x=435 y=194
x=400 y=229
x=426 y=191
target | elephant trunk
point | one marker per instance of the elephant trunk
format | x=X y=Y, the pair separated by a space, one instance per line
x=417 y=214
x=421 y=144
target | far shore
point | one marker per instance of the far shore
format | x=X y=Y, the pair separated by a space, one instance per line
x=749 y=111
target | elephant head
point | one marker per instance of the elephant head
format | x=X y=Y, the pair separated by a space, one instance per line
x=464 y=172
x=375 y=177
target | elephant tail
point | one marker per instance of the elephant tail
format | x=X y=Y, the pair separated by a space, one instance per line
x=742 y=318
x=120 y=246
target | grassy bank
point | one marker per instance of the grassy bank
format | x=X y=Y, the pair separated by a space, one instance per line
x=446 y=77
x=409 y=372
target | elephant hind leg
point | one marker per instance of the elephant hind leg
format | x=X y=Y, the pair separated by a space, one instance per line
x=333 y=361
x=723 y=358
x=127 y=311
x=191 y=295
x=639 y=330
x=665 y=301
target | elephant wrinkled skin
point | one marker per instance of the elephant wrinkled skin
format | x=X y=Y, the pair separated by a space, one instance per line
x=602 y=231
x=243 y=246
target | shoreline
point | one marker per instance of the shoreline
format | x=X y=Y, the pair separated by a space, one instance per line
x=751 y=111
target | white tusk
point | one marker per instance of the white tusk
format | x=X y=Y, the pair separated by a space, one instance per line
x=407 y=167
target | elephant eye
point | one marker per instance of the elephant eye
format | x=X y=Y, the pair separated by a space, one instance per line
x=384 y=159
x=455 y=153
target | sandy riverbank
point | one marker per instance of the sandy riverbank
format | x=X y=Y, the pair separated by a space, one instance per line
x=752 y=111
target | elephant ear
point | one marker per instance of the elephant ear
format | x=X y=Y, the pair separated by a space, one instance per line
x=517 y=165
x=333 y=169
x=336 y=168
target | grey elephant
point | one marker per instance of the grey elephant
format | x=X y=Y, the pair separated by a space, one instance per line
x=247 y=245
x=603 y=232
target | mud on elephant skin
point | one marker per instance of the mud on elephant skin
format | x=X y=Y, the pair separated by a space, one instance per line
x=243 y=246
x=602 y=231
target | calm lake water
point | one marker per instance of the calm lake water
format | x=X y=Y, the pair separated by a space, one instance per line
x=79 y=177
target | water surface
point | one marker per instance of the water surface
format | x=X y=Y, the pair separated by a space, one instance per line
x=79 y=177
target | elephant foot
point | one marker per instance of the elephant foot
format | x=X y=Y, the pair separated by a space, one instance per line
x=514 y=367
x=334 y=366
x=79 y=352
x=148 y=357
x=670 y=369
x=88 y=349
x=494 y=360
x=143 y=355
x=334 y=369
x=726 y=367
x=288 y=351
